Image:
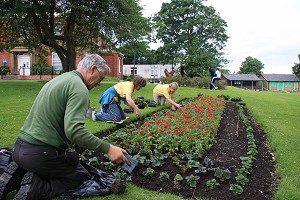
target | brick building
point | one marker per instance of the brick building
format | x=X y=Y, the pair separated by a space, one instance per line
x=277 y=82
x=20 y=62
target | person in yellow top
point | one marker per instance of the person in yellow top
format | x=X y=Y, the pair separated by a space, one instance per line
x=164 y=92
x=110 y=100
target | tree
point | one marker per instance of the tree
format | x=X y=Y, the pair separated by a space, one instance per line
x=296 y=68
x=251 y=66
x=193 y=34
x=70 y=26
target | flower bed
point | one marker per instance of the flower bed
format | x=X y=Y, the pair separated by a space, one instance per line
x=215 y=172
x=190 y=130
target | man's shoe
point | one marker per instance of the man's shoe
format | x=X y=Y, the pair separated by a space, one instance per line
x=10 y=179
x=31 y=188
x=5 y=158
x=27 y=188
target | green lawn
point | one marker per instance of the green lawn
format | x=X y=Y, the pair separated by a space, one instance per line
x=278 y=113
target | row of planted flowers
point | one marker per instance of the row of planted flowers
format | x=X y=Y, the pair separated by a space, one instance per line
x=191 y=129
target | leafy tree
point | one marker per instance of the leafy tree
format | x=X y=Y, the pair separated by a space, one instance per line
x=296 y=68
x=70 y=26
x=251 y=66
x=193 y=34
x=135 y=53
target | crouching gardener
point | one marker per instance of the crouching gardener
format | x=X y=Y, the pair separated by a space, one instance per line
x=45 y=164
x=163 y=92
x=110 y=100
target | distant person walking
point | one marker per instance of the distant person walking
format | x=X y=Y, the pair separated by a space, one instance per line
x=215 y=76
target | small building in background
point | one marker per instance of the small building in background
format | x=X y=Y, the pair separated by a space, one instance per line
x=248 y=81
x=153 y=72
x=277 y=82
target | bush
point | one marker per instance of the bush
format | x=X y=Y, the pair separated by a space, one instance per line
x=4 y=70
x=182 y=81
x=41 y=70
x=198 y=82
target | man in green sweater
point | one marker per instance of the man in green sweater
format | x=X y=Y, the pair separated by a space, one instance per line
x=44 y=155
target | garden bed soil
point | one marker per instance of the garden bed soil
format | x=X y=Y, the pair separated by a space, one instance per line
x=225 y=153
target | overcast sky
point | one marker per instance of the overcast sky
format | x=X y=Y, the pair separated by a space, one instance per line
x=268 y=30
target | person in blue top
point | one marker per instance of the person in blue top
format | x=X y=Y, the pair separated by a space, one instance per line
x=110 y=100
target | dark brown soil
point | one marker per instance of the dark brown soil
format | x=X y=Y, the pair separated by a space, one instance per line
x=231 y=145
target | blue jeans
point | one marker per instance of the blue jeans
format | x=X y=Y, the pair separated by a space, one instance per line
x=111 y=112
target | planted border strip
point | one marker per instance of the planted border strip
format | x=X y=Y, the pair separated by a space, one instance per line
x=247 y=161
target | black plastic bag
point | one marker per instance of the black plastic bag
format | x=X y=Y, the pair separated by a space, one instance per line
x=100 y=184
x=5 y=158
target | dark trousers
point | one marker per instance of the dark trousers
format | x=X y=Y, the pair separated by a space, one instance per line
x=58 y=169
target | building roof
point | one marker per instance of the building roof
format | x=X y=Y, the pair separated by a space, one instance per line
x=241 y=77
x=280 y=77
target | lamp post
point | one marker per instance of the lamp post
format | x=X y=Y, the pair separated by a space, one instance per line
x=134 y=67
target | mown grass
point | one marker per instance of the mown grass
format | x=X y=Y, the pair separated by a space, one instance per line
x=277 y=113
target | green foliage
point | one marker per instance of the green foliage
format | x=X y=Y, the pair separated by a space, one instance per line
x=149 y=172
x=177 y=179
x=222 y=174
x=296 y=69
x=42 y=62
x=4 y=70
x=241 y=179
x=212 y=183
x=94 y=161
x=193 y=33
x=192 y=180
x=236 y=189
x=157 y=159
x=251 y=66
x=41 y=70
x=108 y=166
x=193 y=163
x=196 y=82
x=68 y=27
x=142 y=159
x=163 y=176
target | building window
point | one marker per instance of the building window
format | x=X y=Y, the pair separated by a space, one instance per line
x=272 y=84
x=133 y=70
x=237 y=83
x=288 y=84
x=57 y=28
x=119 y=66
x=56 y=63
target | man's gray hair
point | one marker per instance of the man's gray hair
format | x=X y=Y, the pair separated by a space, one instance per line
x=94 y=59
